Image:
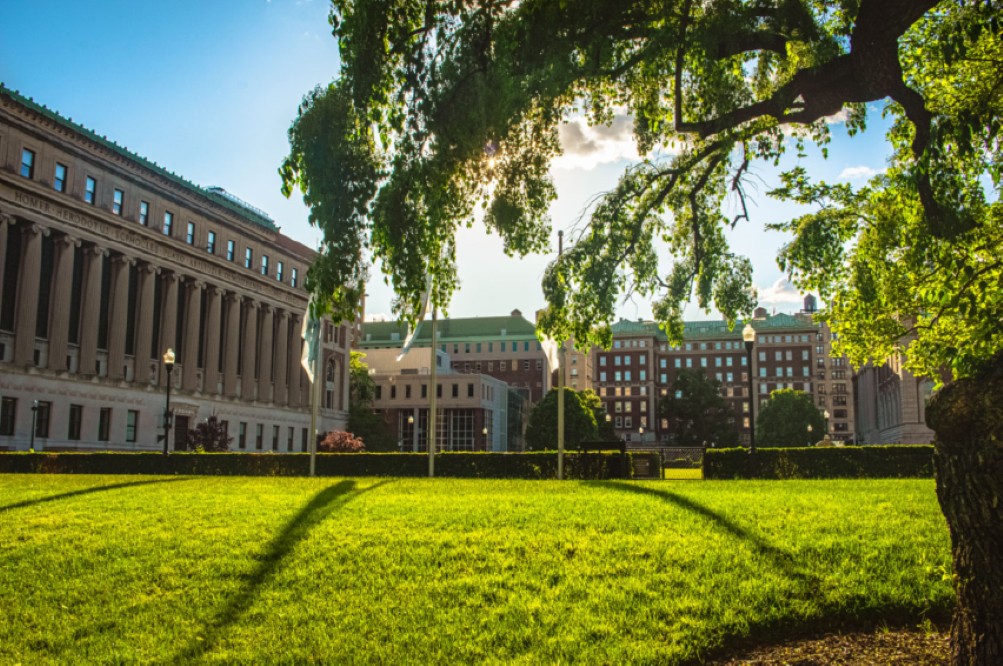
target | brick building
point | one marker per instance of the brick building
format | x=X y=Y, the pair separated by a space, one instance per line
x=108 y=261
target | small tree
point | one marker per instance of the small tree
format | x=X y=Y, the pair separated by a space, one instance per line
x=339 y=441
x=604 y=428
x=696 y=412
x=210 y=435
x=579 y=422
x=786 y=418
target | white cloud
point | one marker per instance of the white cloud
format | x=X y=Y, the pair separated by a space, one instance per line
x=858 y=173
x=587 y=147
x=378 y=316
x=781 y=296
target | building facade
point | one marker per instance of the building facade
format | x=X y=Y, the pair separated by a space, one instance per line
x=789 y=352
x=108 y=261
x=891 y=405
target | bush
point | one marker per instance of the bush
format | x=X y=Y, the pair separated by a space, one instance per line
x=535 y=465
x=210 y=435
x=855 y=462
x=339 y=441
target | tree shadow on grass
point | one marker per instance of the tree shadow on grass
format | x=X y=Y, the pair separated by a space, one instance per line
x=851 y=616
x=88 y=491
x=296 y=530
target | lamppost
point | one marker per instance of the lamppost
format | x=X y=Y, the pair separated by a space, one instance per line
x=414 y=433
x=484 y=431
x=640 y=433
x=809 y=434
x=169 y=366
x=34 y=420
x=825 y=415
x=749 y=335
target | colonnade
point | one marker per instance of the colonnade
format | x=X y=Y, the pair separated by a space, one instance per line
x=233 y=344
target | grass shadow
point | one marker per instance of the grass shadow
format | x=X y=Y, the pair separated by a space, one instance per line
x=88 y=491
x=771 y=632
x=314 y=512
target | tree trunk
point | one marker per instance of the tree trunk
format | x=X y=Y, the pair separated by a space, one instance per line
x=967 y=417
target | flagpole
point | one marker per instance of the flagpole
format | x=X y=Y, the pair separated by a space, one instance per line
x=434 y=391
x=560 y=386
x=314 y=399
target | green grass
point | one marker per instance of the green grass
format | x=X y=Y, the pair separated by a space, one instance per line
x=224 y=570
x=683 y=474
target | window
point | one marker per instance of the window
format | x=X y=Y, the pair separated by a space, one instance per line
x=242 y=435
x=264 y=264
x=76 y=417
x=231 y=250
x=602 y=375
x=42 y=412
x=289 y=438
x=259 y=436
x=168 y=222
x=190 y=234
x=144 y=213
x=616 y=376
x=131 y=420
x=59 y=178
x=470 y=390
x=456 y=390
x=27 y=163
x=210 y=242
x=90 y=190
x=248 y=257
x=117 y=201
x=525 y=365
x=278 y=271
x=104 y=424
x=294 y=278
x=8 y=410
x=275 y=438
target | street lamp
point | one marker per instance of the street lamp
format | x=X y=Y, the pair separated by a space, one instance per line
x=484 y=431
x=825 y=415
x=34 y=420
x=809 y=434
x=749 y=335
x=169 y=366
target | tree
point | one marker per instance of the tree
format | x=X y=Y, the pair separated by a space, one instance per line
x=442 y=106
x=339 y=441
x=786 y=418
x=579 y=422
x=362 y=420
x=696 y=412
x=210 y=435
x=604 y=427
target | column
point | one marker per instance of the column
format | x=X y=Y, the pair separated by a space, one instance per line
x=190 y=357
x=144 y=322
x=90 y=309
x=27 y=295
x=248 y=382
x=168 y=320
x=280 y=395
x=265 y=355
x=117 y=316
x=6 y=222
x=211 y=371
x=231 y=345
x=59 y=312
x=293 y=361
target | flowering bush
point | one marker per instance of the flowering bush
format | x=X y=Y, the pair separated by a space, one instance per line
x=339 y=441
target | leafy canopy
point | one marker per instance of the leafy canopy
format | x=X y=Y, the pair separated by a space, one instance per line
x=696 y=412
x=579 y=421
x=446 y=108
x=786 y=418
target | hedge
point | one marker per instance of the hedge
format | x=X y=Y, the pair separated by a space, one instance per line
x=535 y=465
x=854 y=462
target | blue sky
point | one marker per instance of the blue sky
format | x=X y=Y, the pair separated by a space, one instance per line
x=208 y=89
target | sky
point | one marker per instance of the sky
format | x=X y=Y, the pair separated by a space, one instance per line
x=208 y=88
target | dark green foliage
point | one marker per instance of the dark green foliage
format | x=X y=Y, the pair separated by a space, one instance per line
x=853 y=462
x=363 y=421
x=700 y=416
x=785 y=419
x=210 y=435
x=579 y=421
x=541 y=465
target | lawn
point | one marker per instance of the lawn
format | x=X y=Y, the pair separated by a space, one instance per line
x=141 y=569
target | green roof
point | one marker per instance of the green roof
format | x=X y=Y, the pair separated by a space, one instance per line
x=515 y=327
x=231 y=203
x=711 y=329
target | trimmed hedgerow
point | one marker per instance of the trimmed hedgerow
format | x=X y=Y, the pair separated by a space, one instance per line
x=534 y=465
x=850 y=462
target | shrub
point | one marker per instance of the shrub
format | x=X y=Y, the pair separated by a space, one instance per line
x=210 y=435
x=339 y=441
x=820 y=463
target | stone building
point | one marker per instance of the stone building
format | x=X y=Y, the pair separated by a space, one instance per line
x=108 y=261
x=891 y=405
